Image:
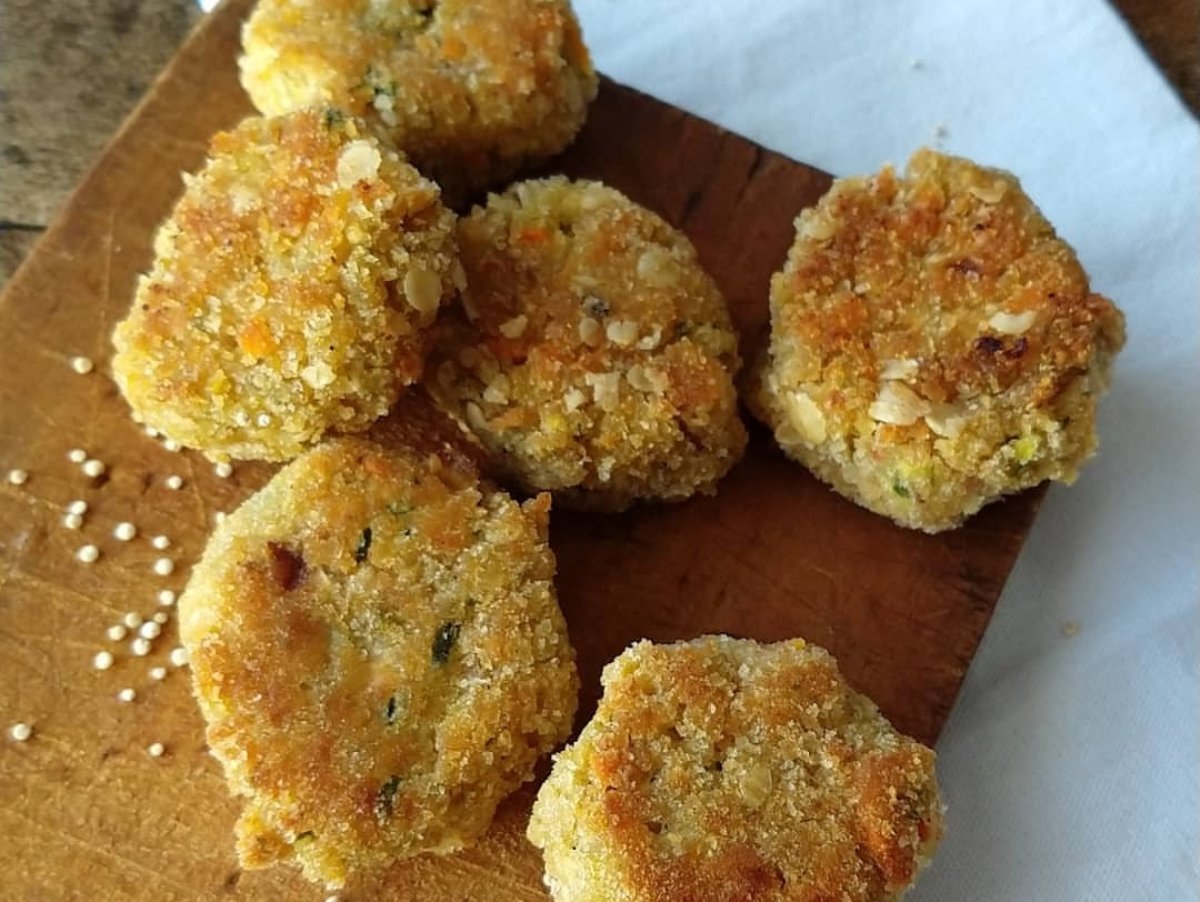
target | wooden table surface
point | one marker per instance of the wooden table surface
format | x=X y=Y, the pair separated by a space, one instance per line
x=71 y=70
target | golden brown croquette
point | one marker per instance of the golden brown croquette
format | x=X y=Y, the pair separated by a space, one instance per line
x=376 y=647
x=934 y=344
x=724 y=770
x=471 y=90
x=292 y=292
x=591 y=355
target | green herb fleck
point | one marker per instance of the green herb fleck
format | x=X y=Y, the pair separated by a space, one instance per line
x=900 y=488
x=333 y=117
x=386 y=797
x=307 y=834
x=364 y=546
x=393 y=709
x=387 y=90
x=444 y=639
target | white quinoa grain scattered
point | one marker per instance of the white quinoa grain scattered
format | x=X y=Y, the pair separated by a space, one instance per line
x=179 y=656
x=162 y=543
x=151 y=431
x=219 y=516
x=116 y=632
x=72 y=521
x=82 y=365
x=88 y=553
x=124 y=531
x=126 y=695
x=77 y=507
x=166 y=598
x=223 y=469
x=93 y=467
x=140 y=647
x=155 y=750
x=174 y=482
x=20 y=731
x=150 y=630
x=171 y=445
x=158 y=673
x=76 y=455
x=132 y=620
x=18 y=477
x=164 y=566
x=161 y=617
x=103 y=660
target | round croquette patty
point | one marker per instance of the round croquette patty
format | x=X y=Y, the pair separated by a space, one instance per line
x=376 y=647
x=934 y=344
x=591 y=354
x=470 y=89
x=724 y=770
x=292 y=291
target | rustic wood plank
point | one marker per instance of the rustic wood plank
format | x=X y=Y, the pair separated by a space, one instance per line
x=88 y=814
x=1170 y=32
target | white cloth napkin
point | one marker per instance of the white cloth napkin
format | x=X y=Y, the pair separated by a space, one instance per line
x=1071 y=764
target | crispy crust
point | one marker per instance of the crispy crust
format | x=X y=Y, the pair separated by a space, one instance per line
x=592 y=355
x=292 y=292
x=374 y=695
x=934 y=344
x=470 y=89
x=721 y=770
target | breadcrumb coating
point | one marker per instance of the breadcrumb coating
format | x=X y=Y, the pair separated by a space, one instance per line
x=377 y=650
x=292 y=293
x=934 y=344
x=591 y=354
x=471 y=90
x=721 y=770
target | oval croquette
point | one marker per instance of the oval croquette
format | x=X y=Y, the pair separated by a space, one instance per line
x=934 y=344
x=471 y=90
x=724 y=770
x=292 y=290
x=591 y=355
x=377 y=650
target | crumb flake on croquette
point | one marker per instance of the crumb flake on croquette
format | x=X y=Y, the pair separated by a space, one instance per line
x=292 y=291
x=934 y=344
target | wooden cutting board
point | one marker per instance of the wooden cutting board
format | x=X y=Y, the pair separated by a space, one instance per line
x=88 y=814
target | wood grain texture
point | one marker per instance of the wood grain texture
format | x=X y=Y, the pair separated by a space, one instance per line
x=87 y=814
x=1170 y=32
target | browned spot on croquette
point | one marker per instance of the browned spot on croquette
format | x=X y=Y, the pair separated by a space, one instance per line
x=287 y=567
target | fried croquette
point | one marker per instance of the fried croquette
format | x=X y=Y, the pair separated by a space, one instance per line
x=471 y=90
x=376 y=647
x=934 y=344
x=292 y=291
x=724 y=770
x=591 y=354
